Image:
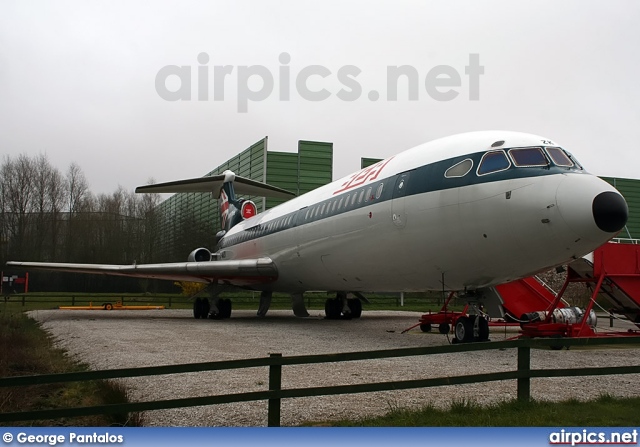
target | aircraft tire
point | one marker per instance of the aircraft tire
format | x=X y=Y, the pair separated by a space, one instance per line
x=108 y=306
x=426 y=327
x=197 y=308
x=332 y=309
x=224 y=307
x=464 y=329
x=444 y=328
x=206 y=307
x=355 y=305
x=483 y=329
x=228 y=308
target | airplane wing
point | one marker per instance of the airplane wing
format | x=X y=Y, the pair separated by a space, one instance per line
x=237 y=272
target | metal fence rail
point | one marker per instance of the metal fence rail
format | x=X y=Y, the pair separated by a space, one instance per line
x=275 y=362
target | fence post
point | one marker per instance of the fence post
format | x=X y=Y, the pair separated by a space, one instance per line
x=275 y=384
x=524 y=366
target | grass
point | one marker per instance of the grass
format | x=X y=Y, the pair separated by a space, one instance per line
x=418 y=302
x=25 y=349
x=605 y=411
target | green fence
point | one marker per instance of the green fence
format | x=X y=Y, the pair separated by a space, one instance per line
x=275 y=362
x=241 y=300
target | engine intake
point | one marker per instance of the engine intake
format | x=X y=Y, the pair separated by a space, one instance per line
x=199 y=255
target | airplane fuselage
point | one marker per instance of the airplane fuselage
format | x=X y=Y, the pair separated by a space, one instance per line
x=463 y=210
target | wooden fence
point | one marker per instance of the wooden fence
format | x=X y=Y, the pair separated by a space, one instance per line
x=275 y=362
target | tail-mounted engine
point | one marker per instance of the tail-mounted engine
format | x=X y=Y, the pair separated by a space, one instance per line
x=248 y=209
x=199 y=255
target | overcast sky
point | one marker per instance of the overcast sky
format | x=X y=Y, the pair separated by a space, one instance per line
x=78 y=80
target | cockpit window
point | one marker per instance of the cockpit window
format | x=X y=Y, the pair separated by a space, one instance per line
x=494 y=161
x=528 y=157
x=575 y=162
x=559 y=157
x=459 y=169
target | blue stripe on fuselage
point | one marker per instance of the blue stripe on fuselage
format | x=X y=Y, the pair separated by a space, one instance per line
x=424 y=179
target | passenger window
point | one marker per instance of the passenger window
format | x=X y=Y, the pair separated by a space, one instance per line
x=528 y=157
x=368 y=196
x=360 y=196
x=322 y=209
x=379 y=190
x=340 y=202
x=333 y=205
x=495 y=161
x=306 y=215
x=559 y=157
x=353 y=200
x=459 y=169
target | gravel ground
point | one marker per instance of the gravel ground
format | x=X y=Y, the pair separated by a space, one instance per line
x=120 y=339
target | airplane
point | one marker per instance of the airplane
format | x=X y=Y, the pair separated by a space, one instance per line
x=461 y=213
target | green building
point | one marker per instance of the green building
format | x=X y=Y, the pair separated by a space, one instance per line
x=630 y=189
x=190 y=220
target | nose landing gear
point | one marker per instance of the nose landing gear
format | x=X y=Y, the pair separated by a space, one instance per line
x=471 y=328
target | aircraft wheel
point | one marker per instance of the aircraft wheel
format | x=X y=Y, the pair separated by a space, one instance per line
x=197 y=308
x=483 y=329
x=227 y=308
x=426 y=327
x=108 y=306
x=332 y=309
x=205 y=308
x=464 y=330
x=444 y=328
x=355 y=306
x=224 y=306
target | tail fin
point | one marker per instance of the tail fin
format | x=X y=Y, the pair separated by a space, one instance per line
x=229 y=206
x=223 y=186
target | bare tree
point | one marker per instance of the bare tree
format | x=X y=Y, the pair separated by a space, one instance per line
x=18 y=190
x=77 y=187
x=48 y=216
x=56 y=193
x=77 y=190
x=43 y=174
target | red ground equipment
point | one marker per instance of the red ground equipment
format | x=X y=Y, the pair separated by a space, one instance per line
x=615 y=274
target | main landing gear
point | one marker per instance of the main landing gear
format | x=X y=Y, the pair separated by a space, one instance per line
x=220 y=309
x=342 y=308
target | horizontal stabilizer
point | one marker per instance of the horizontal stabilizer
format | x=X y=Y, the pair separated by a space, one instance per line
x=213 y=184
x=235 y=272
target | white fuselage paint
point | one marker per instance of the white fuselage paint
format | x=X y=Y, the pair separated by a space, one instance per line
x=470 y=236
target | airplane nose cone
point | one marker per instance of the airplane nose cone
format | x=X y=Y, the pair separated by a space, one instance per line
x=591 y=208
x=610 y=211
